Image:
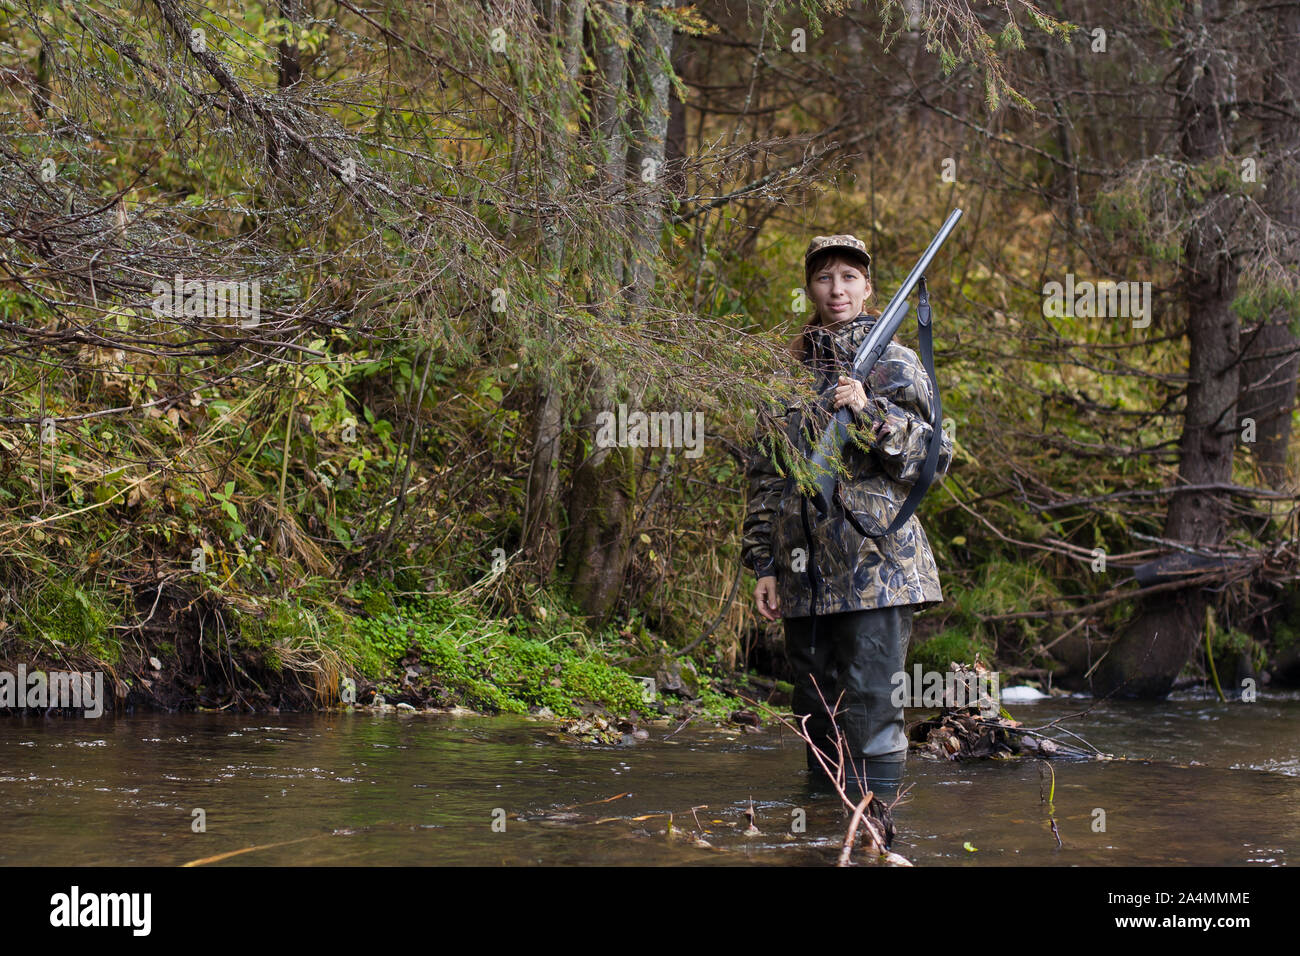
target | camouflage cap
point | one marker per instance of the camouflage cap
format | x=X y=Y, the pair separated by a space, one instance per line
x=854 y=247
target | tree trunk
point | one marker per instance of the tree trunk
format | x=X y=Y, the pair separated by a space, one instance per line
x=1065 y=182
x=1268 y=392
x=289 y=72
x=603 y=493
x=651 y=73
x=290 y=59
x=540 y=538
x=1271 y=363
x=541 y=520
x=675 y=145
x=597 y=483
x=1147 y=657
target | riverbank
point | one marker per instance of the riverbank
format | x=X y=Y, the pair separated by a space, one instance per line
x=375 y=646
x=370 y=647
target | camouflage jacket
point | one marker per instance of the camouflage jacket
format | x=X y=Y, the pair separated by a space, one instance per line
x=884 y=456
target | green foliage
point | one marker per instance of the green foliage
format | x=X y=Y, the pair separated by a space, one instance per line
x=1227 y=646
x=1118 y=213
x=1004 y=586
x=1011 y=38
x=954 y=644
x=1149 y=208
x=716 y=705
x=76 y=619
x=1263 y=303
x=508 y=666
x=389 y=317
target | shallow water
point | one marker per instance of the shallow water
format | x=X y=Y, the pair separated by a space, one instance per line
x=1201 y=783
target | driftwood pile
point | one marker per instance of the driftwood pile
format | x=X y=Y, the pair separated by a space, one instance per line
x=964 y=734
x=989 y=732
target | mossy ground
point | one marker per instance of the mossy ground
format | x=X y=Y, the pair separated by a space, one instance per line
x=65 y=620
x=419 y=648
x=512 y=665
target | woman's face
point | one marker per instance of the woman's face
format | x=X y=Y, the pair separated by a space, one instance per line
x=838 y=290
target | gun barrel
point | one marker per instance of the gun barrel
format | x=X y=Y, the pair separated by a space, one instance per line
x=892 y=317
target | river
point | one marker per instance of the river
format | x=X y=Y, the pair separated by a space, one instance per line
x=1200 y=782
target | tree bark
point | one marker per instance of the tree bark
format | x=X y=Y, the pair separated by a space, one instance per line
x=651 y=73
x=603 y=493
x=597 y=487
x=290 y=59
x=1270 y=362
x=540 y=538
x=1147 y=657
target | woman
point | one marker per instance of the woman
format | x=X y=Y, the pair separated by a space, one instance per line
x=847 y=598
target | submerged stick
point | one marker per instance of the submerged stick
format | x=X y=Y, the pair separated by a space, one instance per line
x=838 y=779
x=847 y=851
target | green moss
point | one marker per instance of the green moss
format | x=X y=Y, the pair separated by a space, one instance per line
x=313 y=638
x=1228 y=645
x=375 y=600
x=601 y=683
x=955 y=644
x=76 y=619
x=262 y=633
x=499 y=666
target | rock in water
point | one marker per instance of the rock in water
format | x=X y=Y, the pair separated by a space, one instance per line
x=1020 y=695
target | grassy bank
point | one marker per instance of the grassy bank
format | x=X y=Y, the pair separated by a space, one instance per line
x=372 y=644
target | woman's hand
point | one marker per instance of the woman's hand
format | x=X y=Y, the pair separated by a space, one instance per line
x=769 y=604
x=850 y=392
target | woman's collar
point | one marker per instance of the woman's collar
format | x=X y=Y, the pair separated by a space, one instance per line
x=853 y=330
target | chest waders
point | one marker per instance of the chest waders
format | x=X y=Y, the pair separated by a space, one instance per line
x=874 y=647
x=919 y=487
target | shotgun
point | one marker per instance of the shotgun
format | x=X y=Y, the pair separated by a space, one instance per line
x=831 y=443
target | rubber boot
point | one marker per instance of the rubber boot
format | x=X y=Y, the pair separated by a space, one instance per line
x=883 y=776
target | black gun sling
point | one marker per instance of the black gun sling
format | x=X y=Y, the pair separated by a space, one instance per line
x=926 y=478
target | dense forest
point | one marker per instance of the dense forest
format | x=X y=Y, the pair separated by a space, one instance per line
x=314 y=312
